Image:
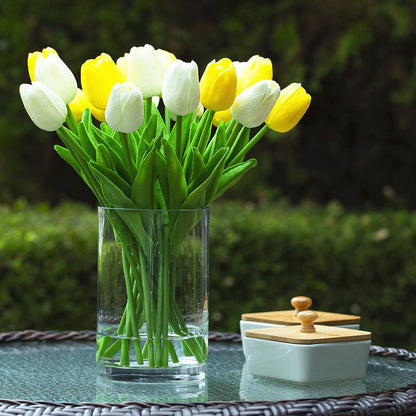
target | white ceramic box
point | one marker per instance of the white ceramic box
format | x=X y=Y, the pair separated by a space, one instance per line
x=317 y=353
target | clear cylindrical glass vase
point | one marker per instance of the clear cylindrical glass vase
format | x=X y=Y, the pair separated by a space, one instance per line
x=152 y=316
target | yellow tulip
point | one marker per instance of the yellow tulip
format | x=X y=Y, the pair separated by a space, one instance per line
x=98 y=114
x=289 y=108
x=255 y=69
x=78 y=104
x=218 y=85
x=224 y=116
x=33 y=57
x=98 y=76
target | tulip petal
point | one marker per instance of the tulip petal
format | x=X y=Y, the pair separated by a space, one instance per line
x=124 y=110
x=54 y=73
x=290 y=107
x=145 y=69
x=180 y=88
x=252 y=106
x=46 y=109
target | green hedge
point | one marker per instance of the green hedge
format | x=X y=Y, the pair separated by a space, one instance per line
x=362 y=263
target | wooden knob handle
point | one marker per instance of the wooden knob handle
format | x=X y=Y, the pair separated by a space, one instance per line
x=300 y=303
x=307 y=318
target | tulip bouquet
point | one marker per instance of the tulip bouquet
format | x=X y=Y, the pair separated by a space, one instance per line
x=133 y=155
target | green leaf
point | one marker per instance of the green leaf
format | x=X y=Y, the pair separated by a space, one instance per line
x=162 y=176
x=87 y=142
x=150 y=130
x=107 y=129
x=239 y=143
x=112 y=176
x=196 y=199
x=216 y=177
x=198 y=164
x=133 y=146
x=133 y=231
x=72 y=143
x=113 y=194
x=143 y=189
x=209 y=168
x=232 y=175
x=105 y=138
x=103 y=157
x=82 y=158
x=176 y=177
x=216 y=142
x=66 y=155
x=86 y=118
x=114 y=150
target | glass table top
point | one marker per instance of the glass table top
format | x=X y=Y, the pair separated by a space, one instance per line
x=65 y=372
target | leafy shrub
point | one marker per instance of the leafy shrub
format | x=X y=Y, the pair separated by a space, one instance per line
x=348 y=262
x=47 y=267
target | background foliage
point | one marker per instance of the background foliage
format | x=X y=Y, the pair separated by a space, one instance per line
x=361 y=263
x=356 y=145
x=356 y=57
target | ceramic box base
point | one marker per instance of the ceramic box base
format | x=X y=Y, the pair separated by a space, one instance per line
x=307 y=363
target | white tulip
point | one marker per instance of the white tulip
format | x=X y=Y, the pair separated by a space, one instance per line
x=124 y=111
x=46 y=108
x=253 y=105
x=180 y=90
x=145 y=70
x=53 y=72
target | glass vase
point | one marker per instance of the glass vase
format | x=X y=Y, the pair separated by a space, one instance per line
x=152 y=316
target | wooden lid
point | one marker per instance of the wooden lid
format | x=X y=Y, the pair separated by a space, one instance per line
x=308 y=333
x=289 y=317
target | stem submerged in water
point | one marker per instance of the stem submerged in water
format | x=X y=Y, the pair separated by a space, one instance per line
x=152 y=328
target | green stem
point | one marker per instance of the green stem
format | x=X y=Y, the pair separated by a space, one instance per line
x=179 y=137
x=148 y=109
x=167 y=119
x=203 y=126
x=127 y=152
x=124 y=355
x=147 y=299
x=165 y=294
x=71 y=122
x=159 y=309
x=249 y=145
x=103 y=344
x=205 y=135
x=132 y=329
x=172 y=352
x=230 y=126
x=235 y=132
x=234 y=144
x=113 y=349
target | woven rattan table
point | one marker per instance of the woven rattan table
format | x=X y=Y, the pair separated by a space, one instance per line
x=53 y=373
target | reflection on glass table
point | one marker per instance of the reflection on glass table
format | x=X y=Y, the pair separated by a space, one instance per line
x=65 y=371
